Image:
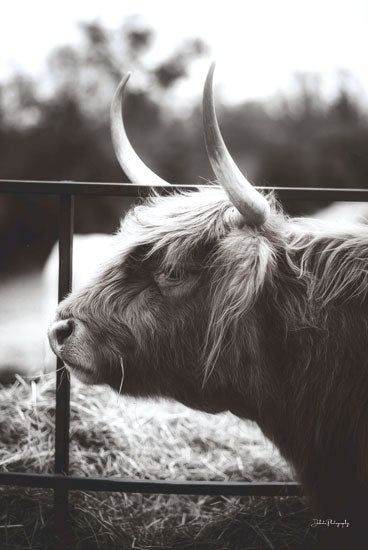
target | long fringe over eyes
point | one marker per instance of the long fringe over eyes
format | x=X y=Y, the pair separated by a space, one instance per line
x=328 y=261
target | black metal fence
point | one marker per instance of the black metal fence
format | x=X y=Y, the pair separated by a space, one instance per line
x=61 y=482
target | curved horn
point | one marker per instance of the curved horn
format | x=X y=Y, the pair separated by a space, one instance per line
x=253 y=207
x=128 y=159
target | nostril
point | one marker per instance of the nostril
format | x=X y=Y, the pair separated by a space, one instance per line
x=63 y=329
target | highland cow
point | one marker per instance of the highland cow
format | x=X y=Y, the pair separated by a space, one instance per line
x=217 y=299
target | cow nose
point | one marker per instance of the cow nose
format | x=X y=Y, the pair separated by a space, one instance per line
x=59 y=332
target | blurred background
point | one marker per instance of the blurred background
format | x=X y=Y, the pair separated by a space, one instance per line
x=291 y=89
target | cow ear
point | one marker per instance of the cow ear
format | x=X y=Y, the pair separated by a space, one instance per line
x=242 y=267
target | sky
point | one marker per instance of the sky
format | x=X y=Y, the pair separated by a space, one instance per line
x=258 y=45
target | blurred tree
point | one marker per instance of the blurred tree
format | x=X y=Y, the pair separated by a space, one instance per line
x=176 y=66
x=65 y=135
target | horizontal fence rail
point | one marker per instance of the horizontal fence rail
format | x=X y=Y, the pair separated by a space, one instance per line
x=61 y=482
x=113 y=484
x=133 y=190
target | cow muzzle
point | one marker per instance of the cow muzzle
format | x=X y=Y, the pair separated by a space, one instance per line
x=87 y=352
x=71 y=341
x=59 y=333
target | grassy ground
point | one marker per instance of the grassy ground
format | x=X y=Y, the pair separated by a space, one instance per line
x=113 y=436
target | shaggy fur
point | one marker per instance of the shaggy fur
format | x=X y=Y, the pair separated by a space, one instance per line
x=269 y=323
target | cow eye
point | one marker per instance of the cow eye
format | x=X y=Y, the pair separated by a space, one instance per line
x=169 y=277
x=173 y=276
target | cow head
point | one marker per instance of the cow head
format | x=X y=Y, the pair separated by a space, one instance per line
x=163 y=315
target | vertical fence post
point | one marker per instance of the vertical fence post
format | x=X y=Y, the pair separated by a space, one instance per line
x=62 y=413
